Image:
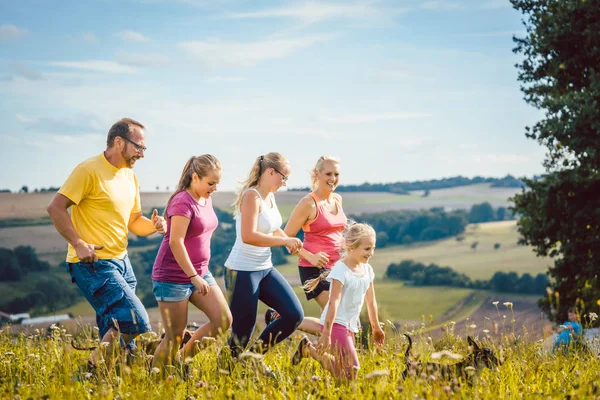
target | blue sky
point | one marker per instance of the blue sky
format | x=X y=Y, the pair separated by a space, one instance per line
x=399 y=90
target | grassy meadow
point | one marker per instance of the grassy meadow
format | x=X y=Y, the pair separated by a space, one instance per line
x=44 y=366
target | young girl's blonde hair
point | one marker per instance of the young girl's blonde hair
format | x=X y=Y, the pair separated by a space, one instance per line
x=201 y=165
x=354 y=234
x=319 y=167
x=270 y=160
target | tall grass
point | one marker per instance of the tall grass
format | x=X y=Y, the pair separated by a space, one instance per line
x=43 y=365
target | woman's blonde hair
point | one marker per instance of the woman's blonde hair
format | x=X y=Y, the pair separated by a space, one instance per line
x=319 y=167
x=270 y=160
x=201 y=165
x=354 y=234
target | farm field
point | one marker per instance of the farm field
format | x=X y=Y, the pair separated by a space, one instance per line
x=33 y=205
x=479 y=263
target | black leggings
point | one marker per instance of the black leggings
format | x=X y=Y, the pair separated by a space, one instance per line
x=244 y=289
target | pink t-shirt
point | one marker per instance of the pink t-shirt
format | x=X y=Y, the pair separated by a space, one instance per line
x=203 y=222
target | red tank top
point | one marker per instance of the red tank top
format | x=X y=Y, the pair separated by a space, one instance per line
x=325 y=233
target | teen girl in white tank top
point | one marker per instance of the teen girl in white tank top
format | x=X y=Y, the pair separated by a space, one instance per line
x=246 y=257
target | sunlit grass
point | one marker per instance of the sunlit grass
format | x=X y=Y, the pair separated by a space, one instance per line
x=44 y=365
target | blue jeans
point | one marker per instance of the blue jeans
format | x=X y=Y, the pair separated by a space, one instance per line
x=244 y=289
x=176 y=292
x=109 y=286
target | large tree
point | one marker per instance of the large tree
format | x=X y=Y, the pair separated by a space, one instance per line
x=560 y=213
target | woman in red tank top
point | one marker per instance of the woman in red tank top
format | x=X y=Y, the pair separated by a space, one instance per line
x=320 y=215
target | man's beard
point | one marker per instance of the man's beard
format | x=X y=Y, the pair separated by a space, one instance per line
x=129 y=160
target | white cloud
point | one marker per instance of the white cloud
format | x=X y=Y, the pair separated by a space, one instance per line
x=26 y=72
x=8 y=32
x=95 y=65
x=219 y=53
x=75 y=125
x=322 y=133
x=367 y=118
x=141 y=59
x=225 y=79
x=132 y=36
x=318 y=11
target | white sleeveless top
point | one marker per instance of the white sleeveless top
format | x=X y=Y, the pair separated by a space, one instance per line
x=246 y=257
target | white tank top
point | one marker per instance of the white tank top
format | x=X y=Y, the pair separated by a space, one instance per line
x=246 y=257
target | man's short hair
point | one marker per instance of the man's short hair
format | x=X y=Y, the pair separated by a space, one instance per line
x=121 y=128
x=572 y=310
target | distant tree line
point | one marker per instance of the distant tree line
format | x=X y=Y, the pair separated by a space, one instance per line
x=16 y=263
x=46 y=294
x=409 y=226
x=445 y=183
x=419 y=274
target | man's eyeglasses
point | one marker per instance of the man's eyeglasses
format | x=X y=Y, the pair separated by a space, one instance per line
x=283 y=177
x=138 y=147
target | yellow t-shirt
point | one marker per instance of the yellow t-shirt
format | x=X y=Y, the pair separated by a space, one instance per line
x=104 y=197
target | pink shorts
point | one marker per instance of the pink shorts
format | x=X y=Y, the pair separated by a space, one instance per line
x=342 y=347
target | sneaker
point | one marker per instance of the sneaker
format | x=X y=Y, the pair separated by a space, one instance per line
x=271 y=315
x=299 y=354
x=254 y=361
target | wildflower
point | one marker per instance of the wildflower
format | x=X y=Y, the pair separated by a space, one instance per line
x=472 y=326
x=447 y=389
x=87 y=375
x=423 y=375
x=445 y=353
x=486 y=331
x=250 y=355
x=400 y=389
x=105 y=344
x=200 y=384
x=377 y=374
x=593 y=316
x=432 y=377
x=315 y=378
x=598 y=302
x=155 y=370
x=495 y=303
x=508 y=304
x=9 y=354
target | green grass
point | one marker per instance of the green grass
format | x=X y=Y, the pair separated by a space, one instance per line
x=479 y=263
x=39 y=366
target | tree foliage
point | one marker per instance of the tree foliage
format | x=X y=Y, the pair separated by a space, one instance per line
x=560 y=213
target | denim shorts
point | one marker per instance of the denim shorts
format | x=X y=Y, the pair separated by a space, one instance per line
x=109 y=287
x=175 y=292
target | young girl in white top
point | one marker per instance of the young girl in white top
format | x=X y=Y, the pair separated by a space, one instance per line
x=351 y=283
x=250 y=274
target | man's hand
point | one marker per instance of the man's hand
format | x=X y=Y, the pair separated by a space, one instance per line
x=159 y=222
x=86 y=252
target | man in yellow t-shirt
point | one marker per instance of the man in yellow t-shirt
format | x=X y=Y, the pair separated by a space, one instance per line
x=103 y=194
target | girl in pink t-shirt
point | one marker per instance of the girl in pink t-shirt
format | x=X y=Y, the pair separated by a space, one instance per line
x=180 y=274
x=351 y=281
